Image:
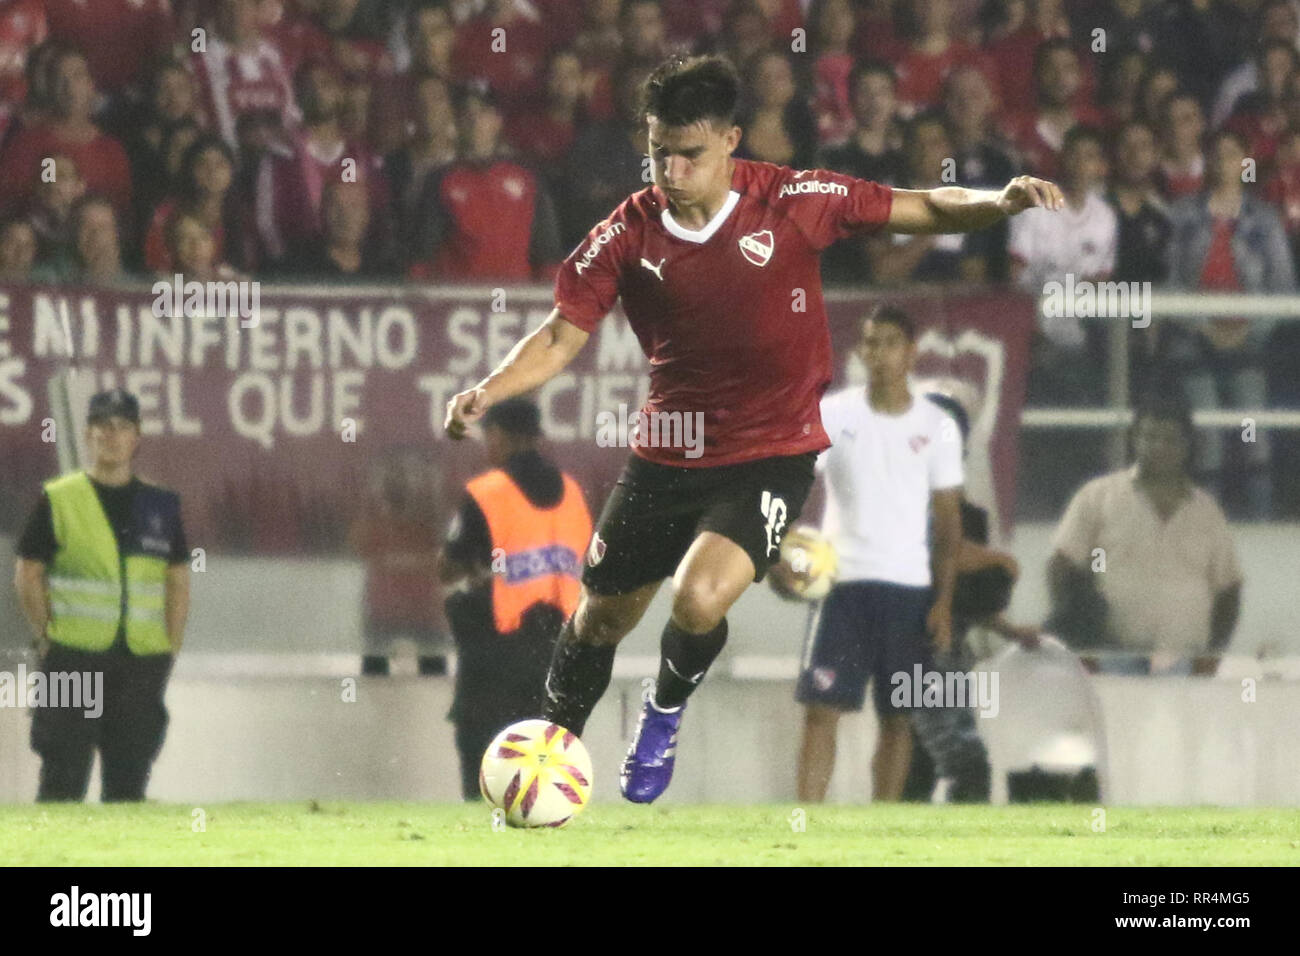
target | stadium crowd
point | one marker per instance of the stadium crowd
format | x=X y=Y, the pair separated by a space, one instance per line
x=479 y=140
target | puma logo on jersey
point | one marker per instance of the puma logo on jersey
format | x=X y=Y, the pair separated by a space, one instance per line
x=655 y=268
x=813 y=186
x=757 y=247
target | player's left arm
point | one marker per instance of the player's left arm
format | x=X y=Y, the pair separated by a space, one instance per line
x=951 y=209
x=945 y=505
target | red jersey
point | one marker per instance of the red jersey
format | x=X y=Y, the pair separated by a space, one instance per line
x=717 y=310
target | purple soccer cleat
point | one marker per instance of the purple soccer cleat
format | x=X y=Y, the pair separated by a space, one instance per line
x=648 y=766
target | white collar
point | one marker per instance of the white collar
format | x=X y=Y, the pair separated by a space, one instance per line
x=712 y=226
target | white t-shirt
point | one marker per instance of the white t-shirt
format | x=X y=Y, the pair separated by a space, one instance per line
x=1160 y=576
x=880 y=471
x=1051 y=243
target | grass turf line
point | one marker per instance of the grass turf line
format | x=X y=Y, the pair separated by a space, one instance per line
x=360 y=834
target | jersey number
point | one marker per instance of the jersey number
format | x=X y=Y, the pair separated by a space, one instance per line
x=774 y=511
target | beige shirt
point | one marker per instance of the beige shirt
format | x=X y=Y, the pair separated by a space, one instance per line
x=1160 y=577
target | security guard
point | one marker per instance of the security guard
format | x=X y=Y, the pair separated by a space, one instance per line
x=102 y=576
x=511 y=562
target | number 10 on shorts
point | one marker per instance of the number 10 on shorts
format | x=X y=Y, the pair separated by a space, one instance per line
x=774 y=511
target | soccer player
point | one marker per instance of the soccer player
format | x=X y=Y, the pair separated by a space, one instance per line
x=717 y=266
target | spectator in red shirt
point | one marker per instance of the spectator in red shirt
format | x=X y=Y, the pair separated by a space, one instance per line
x=342 y=253
x=745 y=33
x=170 y=100
x=931 y=55
x=1182 y=162
x=543 y=134
x=515 y=71
x=1157 y=83
x=1014 y=42
x=484 y=216
x=1038 y=134
x=877 y=36
x=70 y=131
x=289 y=184
x=641 y=24
x=832 y=24
x=600 y=41
x=192 y=251
x=241 y=72
x=432 y=146
x=1121 y=86
x=778 y=123
x=1260 y=116
x=204 y=193
x=17 y=249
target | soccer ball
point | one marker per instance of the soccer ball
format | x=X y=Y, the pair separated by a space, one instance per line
x=807 y=553
x=537 y=773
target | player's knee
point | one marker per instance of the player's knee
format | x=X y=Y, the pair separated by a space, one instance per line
x=820 y=717
x=699 y=606
x=601 y=622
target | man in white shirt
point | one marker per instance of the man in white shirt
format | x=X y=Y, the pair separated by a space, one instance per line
x=1155 y=549
x=895 y=460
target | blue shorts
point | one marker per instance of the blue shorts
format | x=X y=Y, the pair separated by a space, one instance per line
x=864 y=630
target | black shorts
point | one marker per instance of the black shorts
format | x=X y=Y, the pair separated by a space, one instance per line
x=656 y=511
x=864 y=630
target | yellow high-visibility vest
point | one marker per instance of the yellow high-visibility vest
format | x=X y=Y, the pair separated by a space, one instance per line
x=93 y=587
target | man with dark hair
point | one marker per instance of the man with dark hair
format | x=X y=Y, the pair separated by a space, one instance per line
x=894 y=470
x=510 y=567
x=1143 y=561
x=103 y=578
x=485 y=216
x=708 y=262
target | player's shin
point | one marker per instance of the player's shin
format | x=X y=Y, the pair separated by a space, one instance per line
x=684 y=659
x=578 y=678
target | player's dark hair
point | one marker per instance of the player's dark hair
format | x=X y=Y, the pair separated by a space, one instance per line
x=894 y=316
x=687 y=89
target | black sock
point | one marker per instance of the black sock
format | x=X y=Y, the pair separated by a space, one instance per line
x=683 y=660
x=577 y=679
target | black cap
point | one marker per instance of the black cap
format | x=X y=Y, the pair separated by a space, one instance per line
x=117 y=402
x=515 y=416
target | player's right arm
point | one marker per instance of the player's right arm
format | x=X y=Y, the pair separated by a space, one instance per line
x=535 y=359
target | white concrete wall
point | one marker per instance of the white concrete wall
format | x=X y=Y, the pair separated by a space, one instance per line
x=1169 y=741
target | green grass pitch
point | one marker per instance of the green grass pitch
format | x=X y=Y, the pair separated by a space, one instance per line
x=307 y=833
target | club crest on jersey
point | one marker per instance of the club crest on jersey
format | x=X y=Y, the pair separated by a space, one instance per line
x=918 y=442
x=757 y=246
x=596 y=552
